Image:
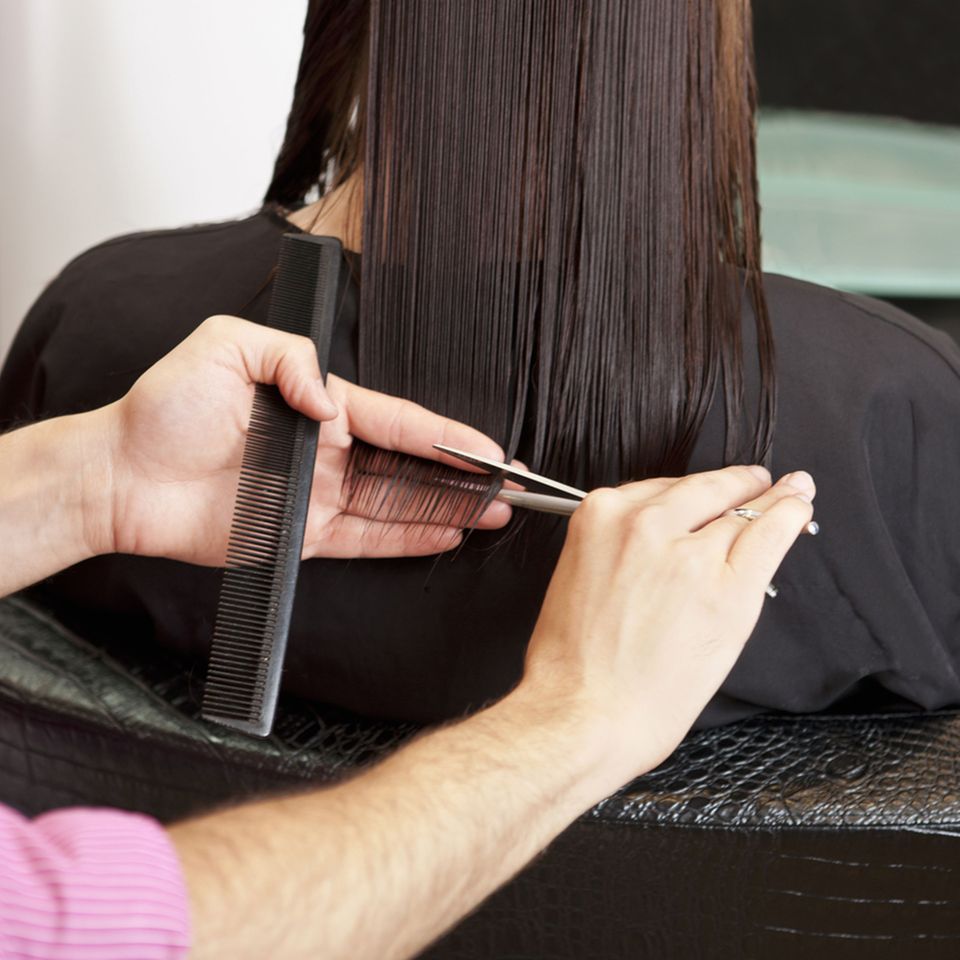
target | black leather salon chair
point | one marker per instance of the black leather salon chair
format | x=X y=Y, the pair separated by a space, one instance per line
x=827 y=837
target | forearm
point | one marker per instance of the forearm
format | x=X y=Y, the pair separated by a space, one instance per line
x=52 y=477
x=381 y=866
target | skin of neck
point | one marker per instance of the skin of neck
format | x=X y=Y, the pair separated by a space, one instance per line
x=337 y=214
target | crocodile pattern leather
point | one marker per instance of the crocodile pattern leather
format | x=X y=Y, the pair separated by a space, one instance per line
x=782 y=837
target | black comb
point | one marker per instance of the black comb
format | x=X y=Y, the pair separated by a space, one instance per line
x=270 y=513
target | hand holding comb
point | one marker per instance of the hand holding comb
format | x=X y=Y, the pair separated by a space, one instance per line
x=270 y=512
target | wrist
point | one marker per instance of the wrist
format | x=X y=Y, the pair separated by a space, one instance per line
x=54 y=498
x=95 y=434
x=608 y=741
x=585 y=737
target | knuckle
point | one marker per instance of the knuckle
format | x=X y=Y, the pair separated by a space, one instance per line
x=739 y=477
x=306 y=351
x=601 y=502
x=446 y=429
x=751 y=472
x=726 y=481
x=395 y=431
x=798 y=510
x=704 y=485
x=742 y=474
x=789 y=515
x=598 y=508
x=303 y=344
x=765 y=539
x=296 y=394
x=647 y=521
x=219 y=323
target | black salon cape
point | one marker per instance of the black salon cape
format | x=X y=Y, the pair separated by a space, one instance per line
x=869 y=403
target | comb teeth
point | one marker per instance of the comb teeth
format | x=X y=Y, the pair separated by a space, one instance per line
x=270 y=511
x=249 y=607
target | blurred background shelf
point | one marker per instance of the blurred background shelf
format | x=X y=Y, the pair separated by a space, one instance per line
x=859 y=148
x=868 y=204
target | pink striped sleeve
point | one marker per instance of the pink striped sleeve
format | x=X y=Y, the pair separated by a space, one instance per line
x=90 y=884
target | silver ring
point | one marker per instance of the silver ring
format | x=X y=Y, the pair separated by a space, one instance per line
x=745 y=512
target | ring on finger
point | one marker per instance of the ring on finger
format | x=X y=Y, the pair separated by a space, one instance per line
x=745 y=512
x=813 y=528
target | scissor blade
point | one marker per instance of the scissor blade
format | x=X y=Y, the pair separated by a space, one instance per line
x=540 y=502
x=523 y=477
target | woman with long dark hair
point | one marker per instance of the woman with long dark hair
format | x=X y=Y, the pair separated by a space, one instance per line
x=550 y=213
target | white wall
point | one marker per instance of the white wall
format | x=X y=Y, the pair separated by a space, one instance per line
x=121 y=115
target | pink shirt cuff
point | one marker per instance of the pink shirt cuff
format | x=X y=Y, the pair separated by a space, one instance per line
x=88 y=884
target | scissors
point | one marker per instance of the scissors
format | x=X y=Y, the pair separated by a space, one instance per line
x=532 y=499
x=550 y=502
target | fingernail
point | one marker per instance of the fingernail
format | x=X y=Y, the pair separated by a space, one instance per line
x=761 y=473
x=802 y=483
x=330 y=409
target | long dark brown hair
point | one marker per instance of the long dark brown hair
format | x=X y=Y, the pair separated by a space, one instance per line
x=560 y=218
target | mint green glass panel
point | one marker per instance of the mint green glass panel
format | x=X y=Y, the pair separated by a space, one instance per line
x=861 y=203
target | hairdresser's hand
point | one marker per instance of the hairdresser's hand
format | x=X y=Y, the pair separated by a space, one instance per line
x=653 y=598
x=175 y=444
